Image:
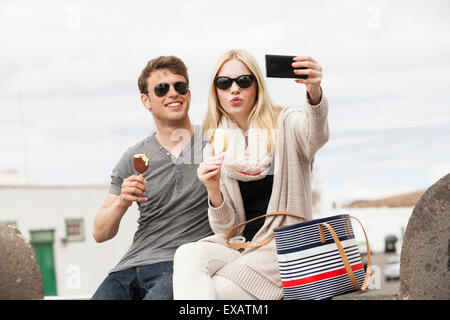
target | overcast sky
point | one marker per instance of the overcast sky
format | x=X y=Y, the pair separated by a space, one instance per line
x=69 y=102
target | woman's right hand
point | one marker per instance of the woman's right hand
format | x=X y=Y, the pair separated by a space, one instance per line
x=209 y=173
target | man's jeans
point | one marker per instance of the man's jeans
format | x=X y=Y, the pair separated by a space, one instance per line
x=152 y=282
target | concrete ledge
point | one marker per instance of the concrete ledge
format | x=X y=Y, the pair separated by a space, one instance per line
x=371 y=294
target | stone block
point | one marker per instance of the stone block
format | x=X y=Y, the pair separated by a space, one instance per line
x=425 y=261
x=20 y=277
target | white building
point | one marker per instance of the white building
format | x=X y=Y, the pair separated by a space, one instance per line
x=58 y=221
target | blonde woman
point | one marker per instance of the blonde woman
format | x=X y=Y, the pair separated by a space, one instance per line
x=263 y=165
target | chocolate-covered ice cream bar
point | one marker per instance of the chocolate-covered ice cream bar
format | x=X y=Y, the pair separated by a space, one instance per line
x=140 y=162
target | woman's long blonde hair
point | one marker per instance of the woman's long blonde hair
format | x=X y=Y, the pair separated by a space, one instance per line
x=264 y=112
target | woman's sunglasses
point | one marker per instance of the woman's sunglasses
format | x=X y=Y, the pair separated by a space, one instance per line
x=161 y=89
x=244 y=81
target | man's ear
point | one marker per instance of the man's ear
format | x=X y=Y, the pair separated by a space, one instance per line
x=189 y=96
x=146 y=101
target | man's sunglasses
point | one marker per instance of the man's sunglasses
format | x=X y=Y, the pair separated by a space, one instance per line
x=161 y=89
x=244 y=81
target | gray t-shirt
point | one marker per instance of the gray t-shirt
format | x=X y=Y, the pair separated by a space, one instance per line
x=177 y=208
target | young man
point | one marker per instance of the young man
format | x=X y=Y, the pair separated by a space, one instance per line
x=172 y=202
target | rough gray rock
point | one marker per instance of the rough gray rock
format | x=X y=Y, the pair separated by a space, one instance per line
x=20 y=277
x=425 y=261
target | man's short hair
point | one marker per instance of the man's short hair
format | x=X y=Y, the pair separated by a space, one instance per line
x=172 y=63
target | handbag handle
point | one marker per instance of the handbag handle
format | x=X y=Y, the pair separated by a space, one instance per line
x=256 y=244
x=344 y=258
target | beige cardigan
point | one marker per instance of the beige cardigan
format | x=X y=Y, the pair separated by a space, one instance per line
x=300 y=134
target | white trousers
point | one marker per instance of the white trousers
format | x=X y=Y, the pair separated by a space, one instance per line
x=194 y=268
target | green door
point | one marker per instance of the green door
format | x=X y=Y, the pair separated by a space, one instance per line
x=42 y=241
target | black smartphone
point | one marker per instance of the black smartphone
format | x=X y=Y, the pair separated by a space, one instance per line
x=281 y=67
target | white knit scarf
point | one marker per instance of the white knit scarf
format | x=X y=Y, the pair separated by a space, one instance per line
x=245 y=163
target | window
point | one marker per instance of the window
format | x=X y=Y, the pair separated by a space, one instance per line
x=74 y=230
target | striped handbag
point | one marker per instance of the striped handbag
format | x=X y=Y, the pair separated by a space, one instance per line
x=317 y=259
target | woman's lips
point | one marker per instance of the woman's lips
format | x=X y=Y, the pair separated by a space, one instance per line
x=236 y=101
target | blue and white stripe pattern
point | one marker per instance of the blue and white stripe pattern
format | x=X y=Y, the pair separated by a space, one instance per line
x=311 y=269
